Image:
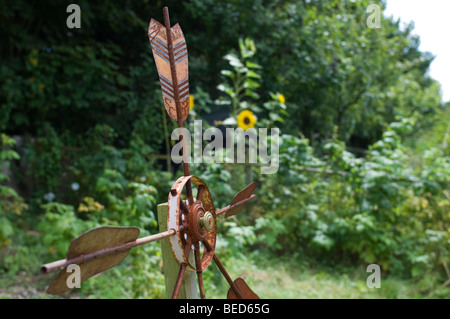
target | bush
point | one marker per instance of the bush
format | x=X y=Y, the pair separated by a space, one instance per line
x=374 y=209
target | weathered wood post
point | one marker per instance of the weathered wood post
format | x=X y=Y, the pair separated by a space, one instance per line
x=171 y=268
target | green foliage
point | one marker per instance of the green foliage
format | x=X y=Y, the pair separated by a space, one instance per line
x=329 y=65
x=85 y=109
x=321 y=55
x=240 y=88
x=124 y=203
x=58 y=226
x=242 y=79
x=361 y=212
x=10 y=202
x=374 y=209
x=138 y=276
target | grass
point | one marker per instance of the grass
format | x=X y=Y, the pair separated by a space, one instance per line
x=294 y=279
x=268 y=276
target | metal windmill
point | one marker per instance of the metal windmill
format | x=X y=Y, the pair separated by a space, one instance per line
x=191 y=223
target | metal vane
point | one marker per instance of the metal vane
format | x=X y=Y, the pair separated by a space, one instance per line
x=171 y=58
x=191 y=223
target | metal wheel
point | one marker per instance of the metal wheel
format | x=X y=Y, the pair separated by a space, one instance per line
x=193 y=246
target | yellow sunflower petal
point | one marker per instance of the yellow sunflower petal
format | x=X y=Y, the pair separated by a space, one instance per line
x=246 y=120
x=191 y=102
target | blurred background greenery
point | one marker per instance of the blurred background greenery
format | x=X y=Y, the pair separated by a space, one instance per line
x=364 y=157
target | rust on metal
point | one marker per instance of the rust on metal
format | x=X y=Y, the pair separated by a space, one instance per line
x=63 y=263
x=190 y=216
x=240 y=197
x=227 y=277
x=238 y=288
x=172 y=67
x=198 y=263
x=170 y=53
x=199 y=197
x=243 y=288
x=191 y=224
x=179 y=281
x=83 y=248
x=238 y=205
x=96 y=251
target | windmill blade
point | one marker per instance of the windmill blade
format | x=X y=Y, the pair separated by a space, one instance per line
x=96 y=251
x=239 y=200
x=175 y=89
x=94 y=240
x=238 y=288
x=244 y=290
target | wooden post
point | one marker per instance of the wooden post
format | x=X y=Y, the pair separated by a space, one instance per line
x=171 y=268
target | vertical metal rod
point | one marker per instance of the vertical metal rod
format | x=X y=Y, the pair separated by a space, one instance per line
x=179 y=281
x=199 y=271
x=166 y=140
x=200 y=191
x=227 y=277
x=183 y=207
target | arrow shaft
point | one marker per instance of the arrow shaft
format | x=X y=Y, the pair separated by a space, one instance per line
x=172 y=66
x=60 y=264
x=227 y=276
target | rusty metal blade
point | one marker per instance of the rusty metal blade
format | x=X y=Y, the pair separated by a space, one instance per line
x=238 y=205
x=244 y=290
x=171 y=57
x=240 y=197
x=95 y=240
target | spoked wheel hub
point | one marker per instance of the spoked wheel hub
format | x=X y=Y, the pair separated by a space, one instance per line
x=196 y=219
x=193 y=245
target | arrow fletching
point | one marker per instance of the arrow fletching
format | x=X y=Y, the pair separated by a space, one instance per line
x=240 y=199
x=174 y=89
x=97 y=240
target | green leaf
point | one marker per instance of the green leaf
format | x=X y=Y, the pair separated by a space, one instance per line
x=6 y=228
x=233 y=60
x=252 y=65
x=9 y=155
x=252 y=74
x=251 y=84
x=228 y=73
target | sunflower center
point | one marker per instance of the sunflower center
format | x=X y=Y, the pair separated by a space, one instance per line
x=246 y=120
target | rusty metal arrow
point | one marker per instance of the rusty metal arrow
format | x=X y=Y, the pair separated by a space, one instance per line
x=238 y=202
x=96 y=251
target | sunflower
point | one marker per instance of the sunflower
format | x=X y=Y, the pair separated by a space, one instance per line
x=191 y=102
x=246 y=120
x=281 y=98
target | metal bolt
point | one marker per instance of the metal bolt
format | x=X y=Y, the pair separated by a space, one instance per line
x=207 y=221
